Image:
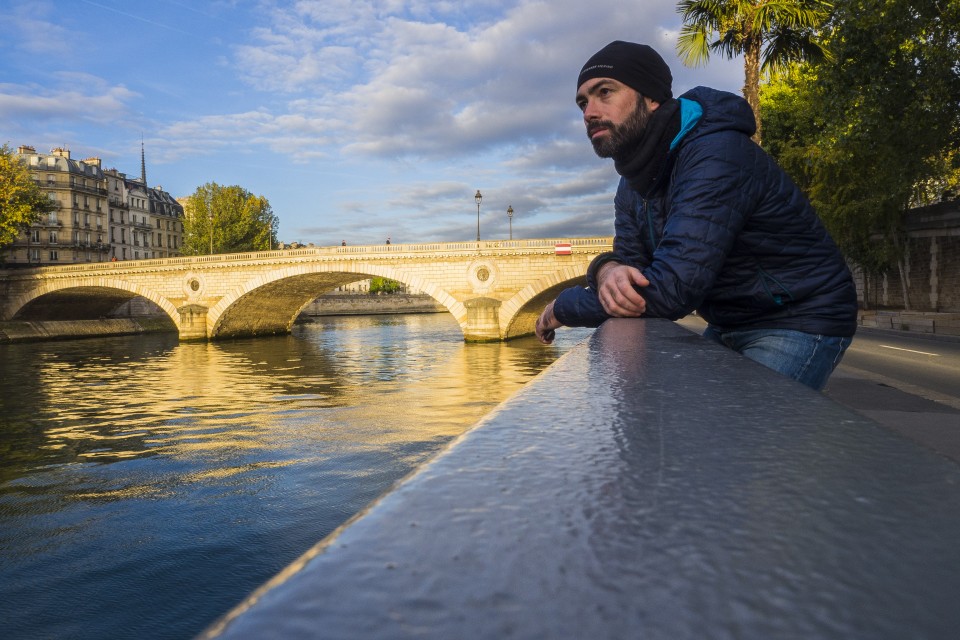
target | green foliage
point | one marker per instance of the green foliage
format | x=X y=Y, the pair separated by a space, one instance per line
x=22 y=203
x=231 y=219
x=874 y=129
x=384 y=285
x=769 y=35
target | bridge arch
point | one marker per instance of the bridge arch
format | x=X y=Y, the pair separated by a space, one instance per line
x=271 y=302
x=85 y=299
x=518 y=315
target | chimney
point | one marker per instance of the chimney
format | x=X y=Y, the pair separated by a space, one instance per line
x=25 y=149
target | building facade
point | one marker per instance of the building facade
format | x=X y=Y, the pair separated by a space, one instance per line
x=99 y=215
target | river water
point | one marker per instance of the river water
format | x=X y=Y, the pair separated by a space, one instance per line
x=147 y=486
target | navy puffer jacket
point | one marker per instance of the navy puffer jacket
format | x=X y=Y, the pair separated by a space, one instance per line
x=729 y=235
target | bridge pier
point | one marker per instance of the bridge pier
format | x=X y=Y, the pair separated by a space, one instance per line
x=193 y=322
x=483 y=320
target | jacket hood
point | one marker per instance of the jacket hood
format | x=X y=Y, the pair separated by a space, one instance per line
x=721 y=111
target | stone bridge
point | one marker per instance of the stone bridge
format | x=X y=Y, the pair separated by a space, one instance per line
x=494 y=289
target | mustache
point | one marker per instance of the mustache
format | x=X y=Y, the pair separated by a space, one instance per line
x=593 y=127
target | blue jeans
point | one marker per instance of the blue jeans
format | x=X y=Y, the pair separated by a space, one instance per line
x=805 y=357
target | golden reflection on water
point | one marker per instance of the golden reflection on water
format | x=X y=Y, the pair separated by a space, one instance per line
x=217 y=410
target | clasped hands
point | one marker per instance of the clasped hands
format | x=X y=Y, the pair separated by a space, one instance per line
x=616 y=289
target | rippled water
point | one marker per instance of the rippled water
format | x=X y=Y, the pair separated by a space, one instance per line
x=147 y=486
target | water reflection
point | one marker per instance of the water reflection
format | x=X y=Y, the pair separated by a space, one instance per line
x=178 y=477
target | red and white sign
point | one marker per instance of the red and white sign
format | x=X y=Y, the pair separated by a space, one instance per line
x=562 y=248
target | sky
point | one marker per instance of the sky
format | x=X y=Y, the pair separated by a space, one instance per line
x=359 y=120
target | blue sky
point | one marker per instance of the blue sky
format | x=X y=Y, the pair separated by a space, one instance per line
x=357 y=119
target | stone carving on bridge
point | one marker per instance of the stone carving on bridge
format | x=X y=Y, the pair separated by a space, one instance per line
x=193 y=285
x=482 y=275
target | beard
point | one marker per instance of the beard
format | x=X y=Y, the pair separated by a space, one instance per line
x=623 y=137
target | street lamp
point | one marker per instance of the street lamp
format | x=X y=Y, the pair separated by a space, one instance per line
x=510 y=217
x=478 y=198
x=211 y=231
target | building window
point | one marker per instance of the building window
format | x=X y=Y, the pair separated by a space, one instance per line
x=53 y=237
x=54 y=256
x=35 y=235
x=35 y=255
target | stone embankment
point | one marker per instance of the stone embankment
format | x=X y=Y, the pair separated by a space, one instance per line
x=345 y=304
x=945 y=324
x=142 y=320
x=37 y=330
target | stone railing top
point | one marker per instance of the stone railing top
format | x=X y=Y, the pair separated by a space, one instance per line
x=650 y=484
x=487 y=247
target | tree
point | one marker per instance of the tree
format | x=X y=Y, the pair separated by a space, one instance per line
x=22 y=203
x=768 y=34
x=384 y=285
x=220 y=219
x=875 y=129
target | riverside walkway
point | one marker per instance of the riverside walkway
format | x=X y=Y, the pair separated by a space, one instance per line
x=649 y=484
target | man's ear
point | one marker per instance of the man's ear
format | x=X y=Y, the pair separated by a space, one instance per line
x=651 y=104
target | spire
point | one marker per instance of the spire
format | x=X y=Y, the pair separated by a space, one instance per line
x=143 y=163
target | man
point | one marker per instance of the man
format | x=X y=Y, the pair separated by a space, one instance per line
x=706 y=222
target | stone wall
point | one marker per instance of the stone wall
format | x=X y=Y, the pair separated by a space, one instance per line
x=340 y=304
x=932 y=266
x=37 y=330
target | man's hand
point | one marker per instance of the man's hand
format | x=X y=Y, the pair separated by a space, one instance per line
x=547 y=325
x=616 y=290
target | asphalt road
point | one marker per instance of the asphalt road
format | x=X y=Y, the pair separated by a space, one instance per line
x=928 y=366
x=909 y=383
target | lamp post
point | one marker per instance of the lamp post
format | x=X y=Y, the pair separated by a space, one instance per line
x=510 y=218
x=211 y=231
x=478 y=198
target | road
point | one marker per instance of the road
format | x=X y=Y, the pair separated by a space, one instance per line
x=909 y=383
x=925 y=366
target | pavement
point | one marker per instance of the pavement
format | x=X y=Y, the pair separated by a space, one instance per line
x=934 y=424
x=926 y=417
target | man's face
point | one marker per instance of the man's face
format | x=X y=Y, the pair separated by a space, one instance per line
x=614 y=115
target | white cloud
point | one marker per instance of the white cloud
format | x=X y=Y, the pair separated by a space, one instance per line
x=94 y=101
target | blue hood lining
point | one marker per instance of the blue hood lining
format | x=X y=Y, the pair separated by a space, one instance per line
x=690 y=113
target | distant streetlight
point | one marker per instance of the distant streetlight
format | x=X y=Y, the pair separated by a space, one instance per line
x=211 y=231
x=478 y=198
x=510 y=217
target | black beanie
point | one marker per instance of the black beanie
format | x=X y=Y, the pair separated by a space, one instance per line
x=635 y=65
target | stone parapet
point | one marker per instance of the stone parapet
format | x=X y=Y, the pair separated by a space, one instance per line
x=649 y=484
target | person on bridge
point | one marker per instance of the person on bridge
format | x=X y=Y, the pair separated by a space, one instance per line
x=705 y=221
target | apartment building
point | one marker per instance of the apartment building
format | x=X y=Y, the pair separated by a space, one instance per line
x=100 y=214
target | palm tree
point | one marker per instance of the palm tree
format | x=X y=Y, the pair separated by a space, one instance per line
x=770 y=34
